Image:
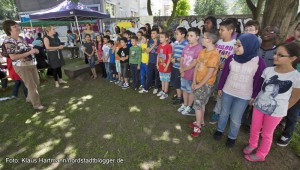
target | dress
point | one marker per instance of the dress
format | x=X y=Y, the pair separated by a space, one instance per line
x=55 y=57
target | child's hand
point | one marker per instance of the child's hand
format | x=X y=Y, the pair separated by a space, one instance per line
x=220 y=92
x=251 y=102
x=221 y=66
x=138 y=68
x=173 y=60
x=182 y=74
x=157 y=67
x=166 y=68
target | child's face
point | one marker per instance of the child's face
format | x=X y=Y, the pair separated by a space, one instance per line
x=154 y=34
x=109 y=45
x=238 y=48
x=251 y=30
x=179 y=36
x=205 y=40
x=163 y=38
x=108 y=33
x=269 y=34
x=297 y=33
x=125 y=35
x=99 y=39
x=139 y=35
x=144 y=40
x=192 y=37
x=123 y=44
x=133 y=42
x=88 y=38
x=282 y=57
x=208 y=24
x=224 y=32
x=105 y=40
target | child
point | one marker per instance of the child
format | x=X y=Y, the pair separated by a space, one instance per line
x=118 y=64
x=145 y=59
x=139 y=36
x=105 y=50
x=123 y=54
x=127 y=35
x=239 y=85
x=181 y=33
x=99 y=53
x=204 y=77
x=187 y=65
x=89 y=51
x=225 y=46
x=152 y=69
x=112 y=63
x=282 y=88
x=252 y=27
x=268 y=45
x=135 y=54
x=164 y=51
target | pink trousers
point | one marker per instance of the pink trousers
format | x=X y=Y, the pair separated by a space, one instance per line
x=266 y=125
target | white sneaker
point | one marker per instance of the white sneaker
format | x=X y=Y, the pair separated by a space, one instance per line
x=182 y=107
x=155 y=91
x=163 y=96
x=143 y=91
x=160 y=93
x=61 y=81
x=187 y=110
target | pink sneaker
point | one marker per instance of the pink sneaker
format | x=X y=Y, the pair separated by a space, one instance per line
x=254 y=158
x=248 y=150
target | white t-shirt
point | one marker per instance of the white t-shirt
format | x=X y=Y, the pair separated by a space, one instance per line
x=273 y=99
x=225 y=49
x=105 y=50
x=134 y=30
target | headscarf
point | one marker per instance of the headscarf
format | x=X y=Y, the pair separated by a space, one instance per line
x=250 y=44
x=37 y=43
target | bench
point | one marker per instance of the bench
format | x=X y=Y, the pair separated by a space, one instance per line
x=81 y=72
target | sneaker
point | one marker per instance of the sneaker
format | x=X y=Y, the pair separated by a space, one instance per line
x=181 y=108
x=186 y=110
x=248 y=150
x=164 y=96
x=283 y=141
x=160 y=93
x=125 y=86
x=214 y=118
x=56 y=84
x=196 y=131
x=177 y=101
x=141 y=87
x=192 y=125
x=40 y=108
x=218 y=135
x=117 y=82
x=61 y=81
x=155 y=91
x=230 y=143
x=111 y=81
x=143 y=91
x=191 y=113
x=174 y=97
x=253 y=158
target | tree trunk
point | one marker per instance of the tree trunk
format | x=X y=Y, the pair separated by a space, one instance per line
x=255 y=10
x=281 y=14
x=173 y=15
x=149 y=10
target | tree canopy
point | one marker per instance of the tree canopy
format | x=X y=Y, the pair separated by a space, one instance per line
x=8 y=9
x=210 y=7
x=182 y=8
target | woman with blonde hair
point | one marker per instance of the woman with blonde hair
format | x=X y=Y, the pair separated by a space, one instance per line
x=55 y=57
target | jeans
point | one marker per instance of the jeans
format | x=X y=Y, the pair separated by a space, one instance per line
x=235 y=108
x=218 y=106
x=152 y=71
x=291 y=120
x=4 y=83
x=108 y=74
x=17 y=85
x=143 y=72
x=134 y=75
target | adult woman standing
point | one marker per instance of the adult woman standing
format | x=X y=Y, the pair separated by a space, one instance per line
x=88 y=30
x=55 y=57
x=23 y=61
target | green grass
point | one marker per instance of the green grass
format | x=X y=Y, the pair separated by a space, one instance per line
x=97 y=119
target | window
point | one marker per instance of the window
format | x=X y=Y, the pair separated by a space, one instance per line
x=110 y=9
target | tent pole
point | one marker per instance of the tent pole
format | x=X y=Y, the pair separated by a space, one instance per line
x=32 y=29
x=78 y=29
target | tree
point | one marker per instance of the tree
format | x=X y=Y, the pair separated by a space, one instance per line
x=241 y=7
x=149 y=10
x=8 y=9
x=277 y=13
x=210 y=7
x=173 y=15
x=182 y=8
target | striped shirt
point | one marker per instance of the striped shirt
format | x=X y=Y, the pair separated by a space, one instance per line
x=178 y=48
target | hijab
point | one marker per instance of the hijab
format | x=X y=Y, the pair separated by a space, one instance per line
x=250 y=44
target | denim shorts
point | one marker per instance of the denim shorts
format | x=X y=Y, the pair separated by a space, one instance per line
x=125 y=70
x=186 y=85
x=118 y=66
x=164 y=77
x=92 y=62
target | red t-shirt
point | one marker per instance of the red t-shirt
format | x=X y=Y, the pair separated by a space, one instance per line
x=163 y=53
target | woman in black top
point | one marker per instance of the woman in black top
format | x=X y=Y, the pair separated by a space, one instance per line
x=55 y=57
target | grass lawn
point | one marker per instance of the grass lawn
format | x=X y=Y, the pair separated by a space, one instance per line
x=121 y=128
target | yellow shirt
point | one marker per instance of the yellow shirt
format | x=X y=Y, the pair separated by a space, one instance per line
x=145 y=55
x=206 y=60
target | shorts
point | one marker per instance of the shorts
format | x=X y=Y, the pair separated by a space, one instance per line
x=92 y=62
x=175 y=78
x=164 y=77
x=118 y=66
x=202 y=95
x=124 y=70
x=112 y=68
x=186 y=85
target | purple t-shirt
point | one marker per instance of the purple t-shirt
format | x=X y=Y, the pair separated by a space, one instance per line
x=189 y=54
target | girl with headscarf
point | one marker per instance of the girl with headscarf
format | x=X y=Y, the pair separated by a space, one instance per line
x=239 y=85
x=28 y=38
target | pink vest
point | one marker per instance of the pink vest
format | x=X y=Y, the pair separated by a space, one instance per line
x=239 y=82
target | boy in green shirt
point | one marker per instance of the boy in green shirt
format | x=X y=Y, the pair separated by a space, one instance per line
x=135 y=55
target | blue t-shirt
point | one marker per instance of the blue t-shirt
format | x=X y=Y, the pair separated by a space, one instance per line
x=129 y=44
x=178 y=48
x=153 y=52
x=112 y=58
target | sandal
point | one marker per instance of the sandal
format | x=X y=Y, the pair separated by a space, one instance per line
x=254 y=158
x=248 y=150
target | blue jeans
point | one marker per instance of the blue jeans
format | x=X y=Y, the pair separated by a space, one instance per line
x=235 y=107
x=143 y=72
x=17 y=85
x=108 y=74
